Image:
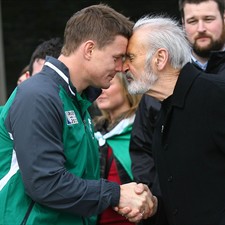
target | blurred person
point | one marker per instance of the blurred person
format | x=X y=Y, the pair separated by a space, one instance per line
x=112 y=130
x=188 y=138
x=24 y=74
x=51 y=47
x=49 y=172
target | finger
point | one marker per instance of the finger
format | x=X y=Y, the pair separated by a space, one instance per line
x=136 y=219
x=151 y=209
x=148 y=205
x=124 y=211
x=131 y=214
x=155 y=208
x=140 y=188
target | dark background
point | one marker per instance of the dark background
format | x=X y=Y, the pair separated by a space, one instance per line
x=26 y=23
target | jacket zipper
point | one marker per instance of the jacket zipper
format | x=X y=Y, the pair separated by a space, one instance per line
x=27 y=213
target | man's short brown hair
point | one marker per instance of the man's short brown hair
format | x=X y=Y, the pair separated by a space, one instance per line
x=100 y=23
x=181 y=3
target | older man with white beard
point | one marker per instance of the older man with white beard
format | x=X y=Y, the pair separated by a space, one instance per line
x=203 y=23
x=188 y=141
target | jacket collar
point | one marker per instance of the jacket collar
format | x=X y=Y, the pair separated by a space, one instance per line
x=187 y=76
x=216 y=60
x=91 y=93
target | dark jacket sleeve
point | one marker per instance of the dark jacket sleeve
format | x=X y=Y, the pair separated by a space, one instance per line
x=35 y=122
x=143 y=167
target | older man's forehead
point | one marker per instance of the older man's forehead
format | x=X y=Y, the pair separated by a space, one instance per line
x=136 y=47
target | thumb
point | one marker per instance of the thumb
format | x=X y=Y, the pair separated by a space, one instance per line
x=140 y=188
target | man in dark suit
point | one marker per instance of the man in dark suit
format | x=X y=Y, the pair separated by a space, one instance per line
x=188 y=140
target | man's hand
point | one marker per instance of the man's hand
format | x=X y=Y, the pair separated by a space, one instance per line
x=136 y=202
x=152 y=200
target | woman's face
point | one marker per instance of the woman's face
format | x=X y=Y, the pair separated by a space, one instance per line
x=113 y=99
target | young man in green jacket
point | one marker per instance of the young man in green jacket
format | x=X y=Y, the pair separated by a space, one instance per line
x=49 y=167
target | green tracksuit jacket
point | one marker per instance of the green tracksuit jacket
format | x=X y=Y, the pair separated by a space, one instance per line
x=49 y=165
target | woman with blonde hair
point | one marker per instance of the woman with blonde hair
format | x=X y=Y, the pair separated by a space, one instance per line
x=113 y=130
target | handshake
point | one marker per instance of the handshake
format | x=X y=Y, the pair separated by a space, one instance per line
x=136 y=202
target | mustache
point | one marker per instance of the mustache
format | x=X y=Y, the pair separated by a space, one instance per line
x=128 y=74
x=202 y=36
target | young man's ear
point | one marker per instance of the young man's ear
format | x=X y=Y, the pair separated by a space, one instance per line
x=88 y=49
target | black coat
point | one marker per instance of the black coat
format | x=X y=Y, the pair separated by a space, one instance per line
x=216 y=63
x=141 y=141
x=144 y=125
x=189 y=148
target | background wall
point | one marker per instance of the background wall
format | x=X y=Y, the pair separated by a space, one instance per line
x=26 y=23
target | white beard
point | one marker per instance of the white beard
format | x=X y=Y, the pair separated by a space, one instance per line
x=143 y=85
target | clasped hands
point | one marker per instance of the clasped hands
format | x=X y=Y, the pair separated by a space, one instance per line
x=136 y=202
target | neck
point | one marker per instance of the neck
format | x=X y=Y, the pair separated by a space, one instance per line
x=115 y=114
x=75 y=72
x=164 y=86
x=200 y=59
